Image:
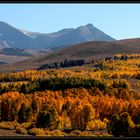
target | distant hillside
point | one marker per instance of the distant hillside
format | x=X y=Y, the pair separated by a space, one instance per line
x=16 y=38
x=14 y=51
x=134 y=43
x=87 y=51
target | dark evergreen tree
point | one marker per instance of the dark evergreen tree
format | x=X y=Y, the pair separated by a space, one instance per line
x=21 y=114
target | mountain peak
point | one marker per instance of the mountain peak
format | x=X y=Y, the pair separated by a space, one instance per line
x=89 y=25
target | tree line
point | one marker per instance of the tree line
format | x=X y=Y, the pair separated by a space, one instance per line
x=63 y=64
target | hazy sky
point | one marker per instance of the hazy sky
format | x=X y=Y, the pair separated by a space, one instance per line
x=117 y=20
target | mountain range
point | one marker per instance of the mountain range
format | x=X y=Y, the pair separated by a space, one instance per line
x=21 y=39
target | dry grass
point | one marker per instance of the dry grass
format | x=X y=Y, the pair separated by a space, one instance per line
x=57 y=133
x=75 y=133
x=5 y=126
x=8 y=125
x=21 y=130
x=87 y=133
x=13 y=125
x=37 y=132
x=42 y=132
x=48 y=133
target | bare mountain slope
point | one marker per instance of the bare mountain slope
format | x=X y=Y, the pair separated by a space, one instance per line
x=133 y=42
x=88 y=51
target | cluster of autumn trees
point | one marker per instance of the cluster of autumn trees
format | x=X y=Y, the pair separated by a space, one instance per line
x=74 y=99
x=76 y=105
x=72 y=108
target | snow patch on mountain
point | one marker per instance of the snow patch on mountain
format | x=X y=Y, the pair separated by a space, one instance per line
x=28 y=33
